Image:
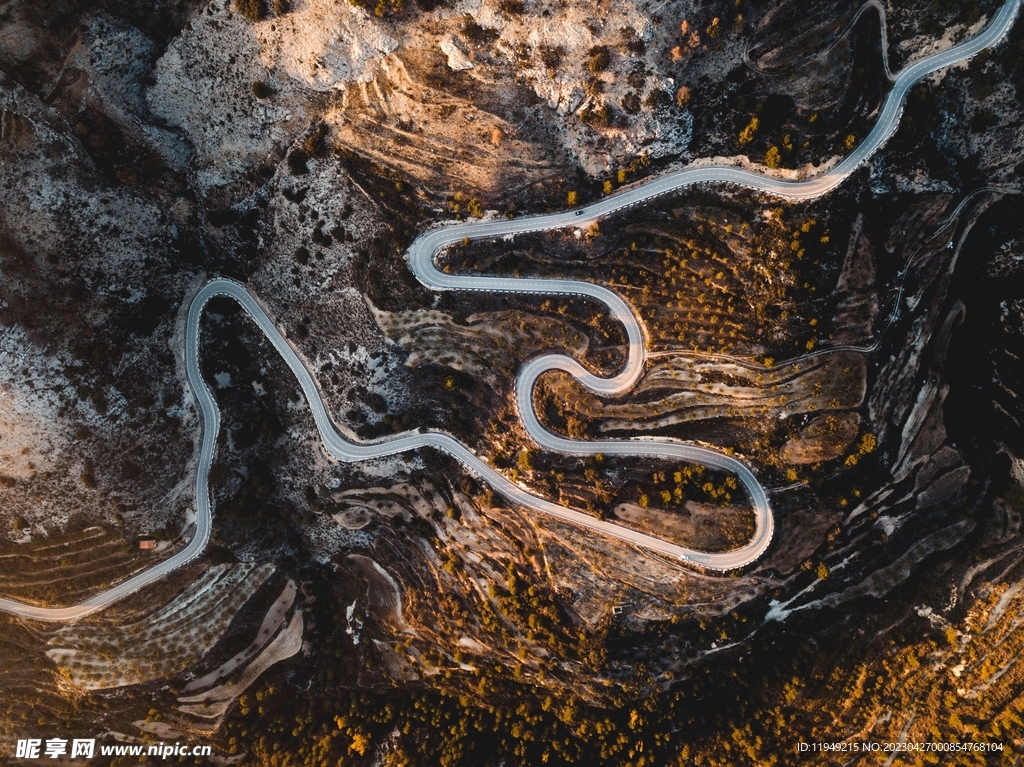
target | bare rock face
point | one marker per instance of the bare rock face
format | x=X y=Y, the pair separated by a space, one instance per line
x=106 y=72
x=401 y=93
x=205 y=86
x=325 y=45
x=457 y=59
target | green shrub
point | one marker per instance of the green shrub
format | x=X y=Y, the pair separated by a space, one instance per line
x=552 y=55
x=1015 y=496
x=600 y=116
x=297 y=159
x=656 y=99
x=315 y=145
x=380 y=8
x=254 y=10
x=634 y=43
x=476 y=34
x=983 y=120
x=599 y=59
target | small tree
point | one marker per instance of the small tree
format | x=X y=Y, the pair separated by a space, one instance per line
x=773 y=157
x=868 y=443
x=747 y=134
x=657 y=98
x=552 y=55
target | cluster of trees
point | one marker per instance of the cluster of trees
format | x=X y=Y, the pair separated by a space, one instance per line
x=946 y=13
x=866 y=446
x=459 y=204
x=690 y=483
x=782 y=693
x=545 y=711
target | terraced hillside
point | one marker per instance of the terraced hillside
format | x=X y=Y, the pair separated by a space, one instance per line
x=66 y=569
x=97 y=656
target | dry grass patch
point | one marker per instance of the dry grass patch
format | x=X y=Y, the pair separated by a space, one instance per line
x=699 y=526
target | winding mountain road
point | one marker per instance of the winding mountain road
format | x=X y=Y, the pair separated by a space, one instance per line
x=421 y=259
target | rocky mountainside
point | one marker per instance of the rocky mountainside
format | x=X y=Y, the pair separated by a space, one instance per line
x=860 y=351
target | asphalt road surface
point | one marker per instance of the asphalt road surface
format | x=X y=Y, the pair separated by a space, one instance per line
x=421 y=259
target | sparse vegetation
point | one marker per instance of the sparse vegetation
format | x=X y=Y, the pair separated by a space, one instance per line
x=101 y=656
x=598 y=59
x=552 y=55
x=598 y=116
x=63 y=569
x=254 y=10
x=381 y=8
x=476 y=34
